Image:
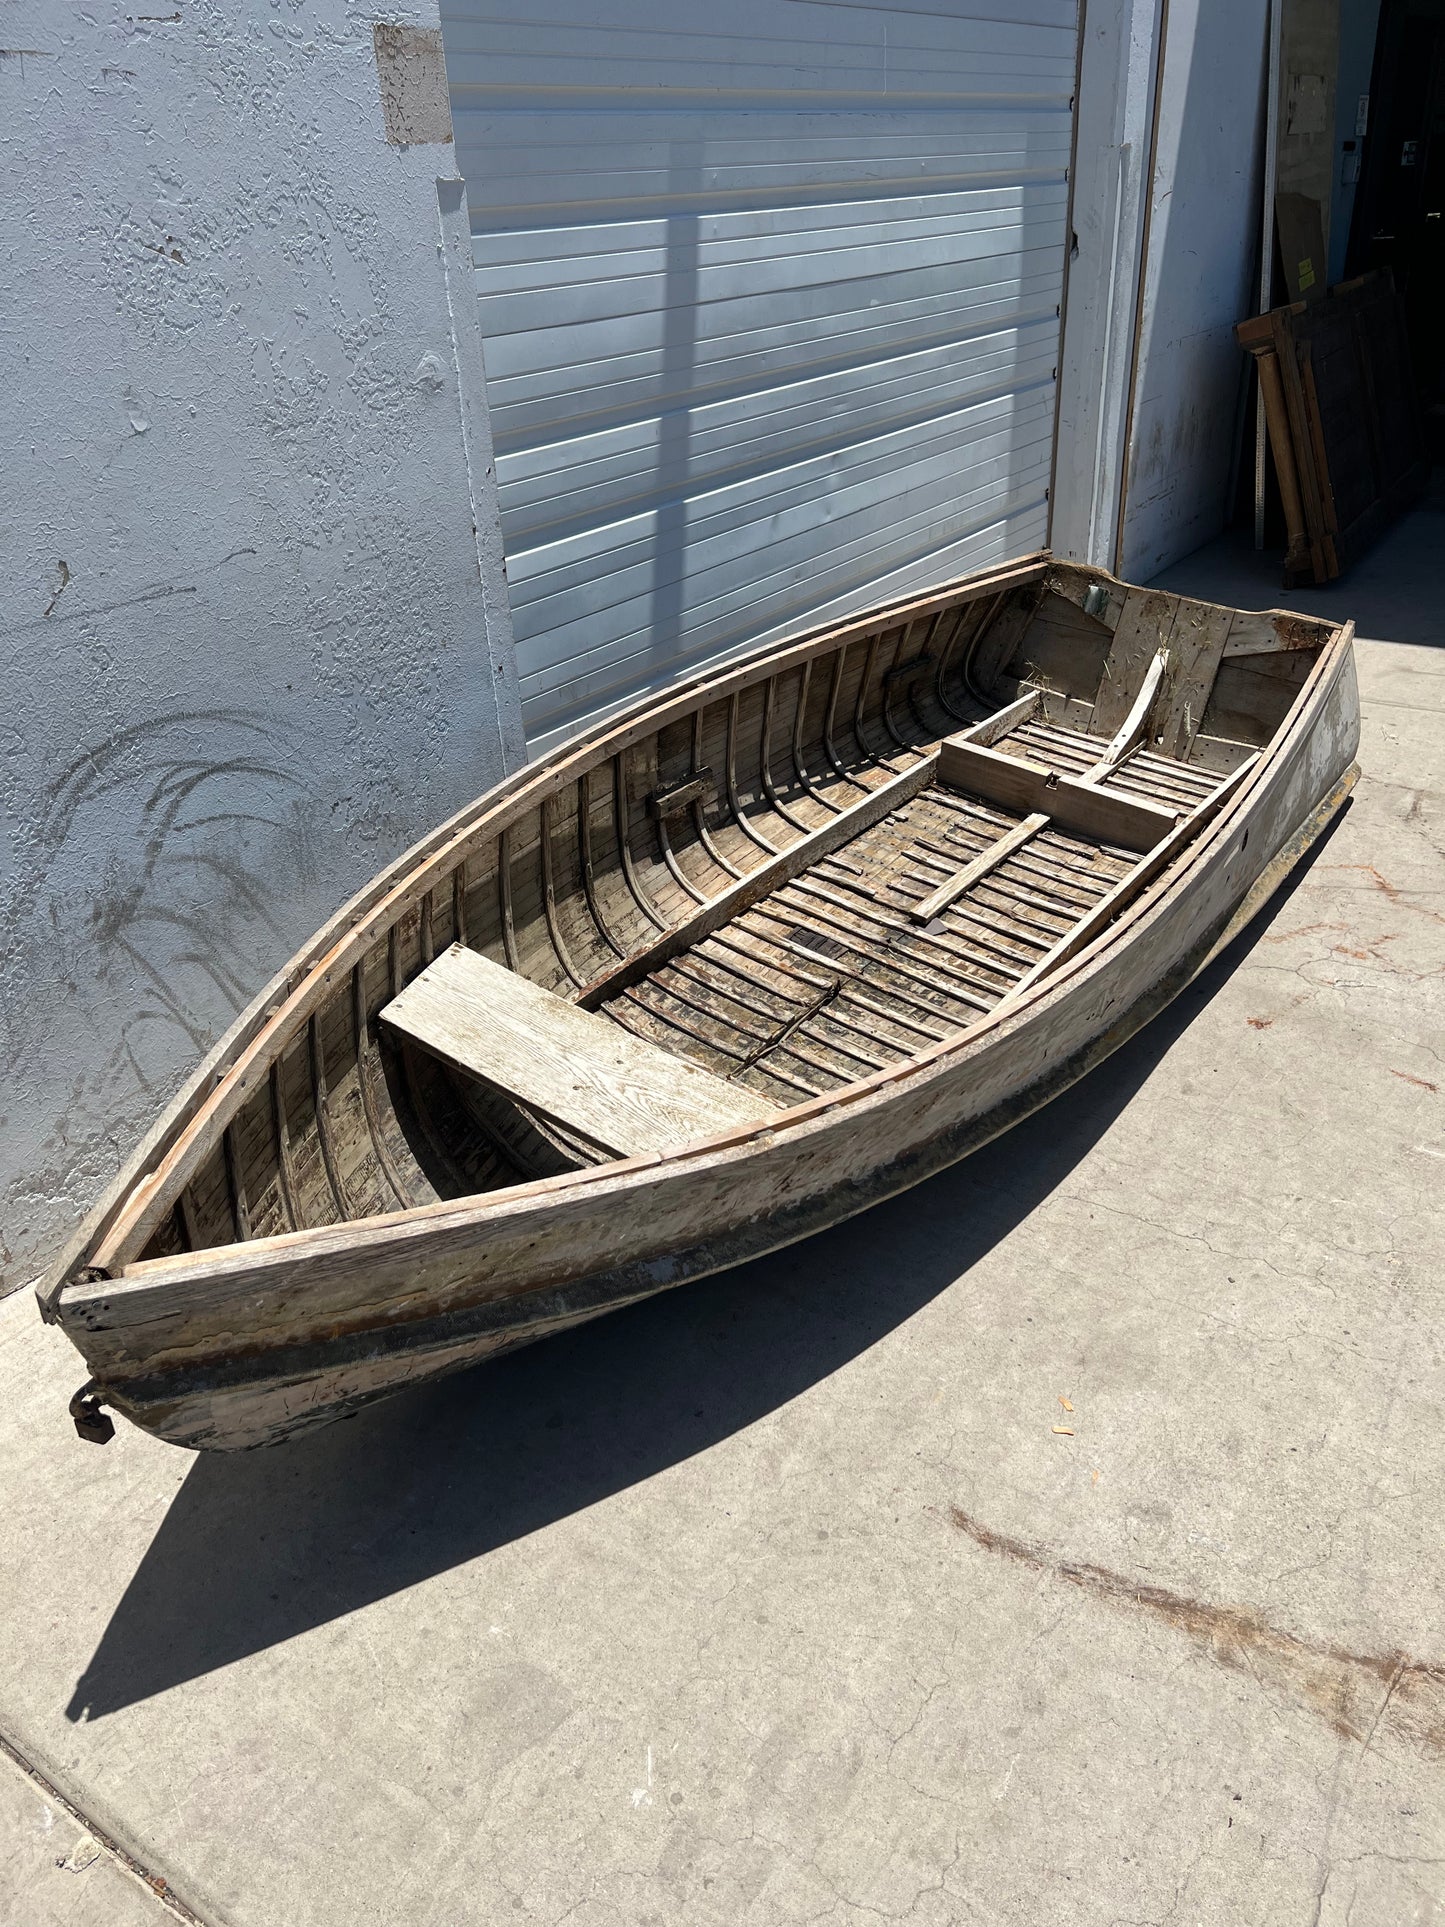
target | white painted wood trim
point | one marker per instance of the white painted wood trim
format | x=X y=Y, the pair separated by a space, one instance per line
x=1115 y=118
x=498 y=639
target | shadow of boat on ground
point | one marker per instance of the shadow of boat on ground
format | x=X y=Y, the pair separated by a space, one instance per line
x=258 y=1547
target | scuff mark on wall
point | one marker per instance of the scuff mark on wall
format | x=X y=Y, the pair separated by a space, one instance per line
x=62 y=569
x=411 y=70
x=21 y=54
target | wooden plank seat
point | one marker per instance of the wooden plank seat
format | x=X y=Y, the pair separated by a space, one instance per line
x=1074 y=803
x=582 y=1070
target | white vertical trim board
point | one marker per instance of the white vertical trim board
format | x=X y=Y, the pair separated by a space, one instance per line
x=456 y=251
x=1117 y=87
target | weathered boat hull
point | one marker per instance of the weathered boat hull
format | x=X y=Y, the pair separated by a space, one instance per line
x=433 y=1290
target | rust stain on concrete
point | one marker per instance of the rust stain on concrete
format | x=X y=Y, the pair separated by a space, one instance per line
x=1362 y=1696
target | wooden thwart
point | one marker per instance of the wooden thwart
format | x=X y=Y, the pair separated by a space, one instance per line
x=983 y=734
x=1082 y=807
x=579 y=1069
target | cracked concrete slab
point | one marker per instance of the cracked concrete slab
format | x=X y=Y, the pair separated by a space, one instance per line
x=781 y=1599
x=55 y=1873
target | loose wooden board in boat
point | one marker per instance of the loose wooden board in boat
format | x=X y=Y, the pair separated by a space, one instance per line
x=721 y=971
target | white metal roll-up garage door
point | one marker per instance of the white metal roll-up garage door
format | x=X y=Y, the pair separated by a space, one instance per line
x=770 y=297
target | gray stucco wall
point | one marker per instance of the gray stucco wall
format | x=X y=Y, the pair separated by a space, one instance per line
x=255 y=636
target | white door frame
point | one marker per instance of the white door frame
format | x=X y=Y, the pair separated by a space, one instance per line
x=1121 y=57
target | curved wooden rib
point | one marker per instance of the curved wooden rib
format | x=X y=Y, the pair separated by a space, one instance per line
x=928 y=649
x=324 y=1135
x=186 y=1220
x=885 y=691
x=589 y=881
x=985 y=623
x=367 y=1067
x=236 y=1185
x=945 y=656
x=704 y=835
x=624 y=845
x=459 y=901
x=830 y=715
x=504 y=902
x=669 y=857
x=861 y=700
x=283 y=1149
x=736 y=807
x=859 y=707
x=765 y=759
x=549 y=894
x=800 y=761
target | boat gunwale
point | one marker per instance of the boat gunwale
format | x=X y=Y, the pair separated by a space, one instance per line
x=881 y=1087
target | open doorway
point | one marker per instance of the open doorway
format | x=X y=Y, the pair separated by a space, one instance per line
x=1399 y=213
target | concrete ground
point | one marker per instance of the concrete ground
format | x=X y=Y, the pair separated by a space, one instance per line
x=783 y=1599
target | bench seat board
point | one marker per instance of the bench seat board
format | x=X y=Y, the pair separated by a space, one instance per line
x=1076 y=805
x=579 y=1069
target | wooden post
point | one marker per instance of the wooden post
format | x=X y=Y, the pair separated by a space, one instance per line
x=1277 y=419
x=1266 y=259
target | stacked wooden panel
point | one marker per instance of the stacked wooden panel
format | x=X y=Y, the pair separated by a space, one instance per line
x=1344 y=424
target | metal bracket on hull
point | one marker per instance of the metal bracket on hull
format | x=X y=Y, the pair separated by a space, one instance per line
x=91 y=1423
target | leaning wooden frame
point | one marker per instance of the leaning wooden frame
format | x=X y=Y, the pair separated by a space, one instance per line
x=1343 y=419
x=727 y=968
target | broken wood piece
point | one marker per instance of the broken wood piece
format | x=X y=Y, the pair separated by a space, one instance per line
x=1135 y=724
x=581 y=1070
x=1003 y=720
x=972 y=873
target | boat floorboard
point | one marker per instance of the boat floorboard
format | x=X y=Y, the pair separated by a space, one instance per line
x=830 y=977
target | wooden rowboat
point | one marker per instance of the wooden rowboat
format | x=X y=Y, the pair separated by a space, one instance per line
x=722 y=971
